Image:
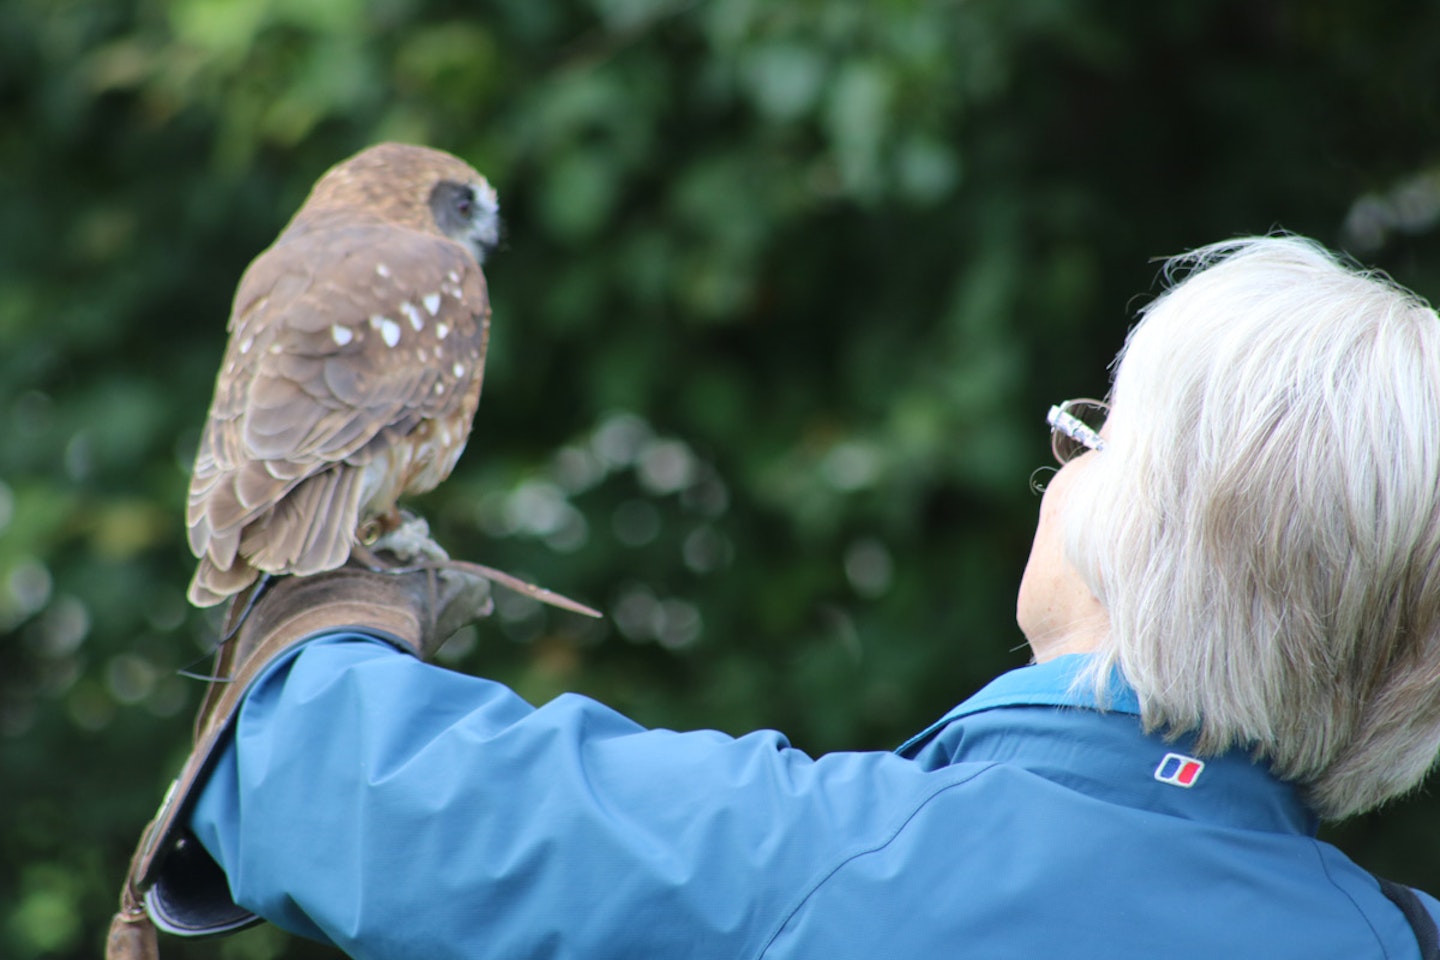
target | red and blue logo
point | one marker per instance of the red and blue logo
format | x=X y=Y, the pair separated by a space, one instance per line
x=1179 y=770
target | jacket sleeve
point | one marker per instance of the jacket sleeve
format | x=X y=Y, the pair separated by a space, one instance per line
x=397 y=809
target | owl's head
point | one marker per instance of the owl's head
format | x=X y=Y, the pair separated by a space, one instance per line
x=419 y=187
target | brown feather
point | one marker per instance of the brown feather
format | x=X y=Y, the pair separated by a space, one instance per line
x=311 y=529
x=212 y=585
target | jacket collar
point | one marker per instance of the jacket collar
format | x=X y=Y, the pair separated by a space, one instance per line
x=1039 y=718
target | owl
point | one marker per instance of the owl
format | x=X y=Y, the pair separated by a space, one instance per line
x=352 y=371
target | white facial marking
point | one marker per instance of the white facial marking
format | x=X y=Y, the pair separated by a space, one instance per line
x=382 y=270
x=432 y=303
x=454 y=276
x=341 y=335
x=413 y=315
x=442 y=330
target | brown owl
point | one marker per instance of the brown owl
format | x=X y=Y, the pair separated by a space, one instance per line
x=352 y=372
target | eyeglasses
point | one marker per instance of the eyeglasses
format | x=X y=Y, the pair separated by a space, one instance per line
x=1075 y=427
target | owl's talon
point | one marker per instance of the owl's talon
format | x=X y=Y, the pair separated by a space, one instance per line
x=410 y=540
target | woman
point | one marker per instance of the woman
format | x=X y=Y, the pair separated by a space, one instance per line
x=1260 y=540
x=1231 y=601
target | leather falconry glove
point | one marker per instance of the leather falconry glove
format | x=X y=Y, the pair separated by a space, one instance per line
x=415 y=604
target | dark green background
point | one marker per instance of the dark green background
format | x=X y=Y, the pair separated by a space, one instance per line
x=786 y=291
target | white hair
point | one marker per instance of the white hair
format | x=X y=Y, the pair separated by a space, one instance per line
x=1263 y=526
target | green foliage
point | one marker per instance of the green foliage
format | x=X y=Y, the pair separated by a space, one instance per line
x=787 y=288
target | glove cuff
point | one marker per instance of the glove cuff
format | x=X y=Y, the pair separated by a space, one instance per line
x=182 y=889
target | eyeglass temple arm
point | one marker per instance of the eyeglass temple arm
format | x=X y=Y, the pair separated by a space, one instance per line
x=1074 y=428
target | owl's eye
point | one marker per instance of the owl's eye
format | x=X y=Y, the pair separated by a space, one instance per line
x=465 y=213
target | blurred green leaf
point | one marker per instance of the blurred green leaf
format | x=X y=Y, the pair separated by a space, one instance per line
x=46 y=920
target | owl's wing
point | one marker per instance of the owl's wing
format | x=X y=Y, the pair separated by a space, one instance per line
x=342 y=341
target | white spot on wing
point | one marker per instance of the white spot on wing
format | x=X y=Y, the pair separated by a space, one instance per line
x=246 y=344
x=458 y=370
x=439 y=387
x=389 y=331
x=382 y=270
x=341 y=335
x=432 y=303
x=442 y=330
x=454 y=276
x=413 y=315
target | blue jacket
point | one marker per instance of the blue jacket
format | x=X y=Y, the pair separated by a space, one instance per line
x=396 y=809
